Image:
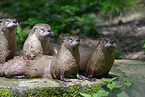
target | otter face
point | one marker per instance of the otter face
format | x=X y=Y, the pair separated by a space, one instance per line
x=9 y=23
x=71 y=41
x=109 y=43
x=43 y=30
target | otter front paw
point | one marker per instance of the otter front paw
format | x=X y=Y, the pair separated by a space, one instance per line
x=65 y=79
x=91 y=78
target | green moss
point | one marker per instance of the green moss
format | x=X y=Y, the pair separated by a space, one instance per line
x=65 y=91
x=93 y=89
x=5 y=93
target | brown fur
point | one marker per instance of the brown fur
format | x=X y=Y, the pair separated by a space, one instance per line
x=40 y=67
x=7 y=39
x=66 y=62
x=100 y=61
x=37 y=41
x=19 y=67
x=53 y=49
x=84 y=55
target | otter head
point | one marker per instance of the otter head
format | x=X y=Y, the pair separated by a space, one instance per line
x=71 y=41
x=42 y=31
x=108 y=43
x=10 y=24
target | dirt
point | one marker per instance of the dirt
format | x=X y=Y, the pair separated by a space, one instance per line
x=129 y=35
x=128 y=30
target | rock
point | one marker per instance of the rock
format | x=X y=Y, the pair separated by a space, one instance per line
x=122 y=68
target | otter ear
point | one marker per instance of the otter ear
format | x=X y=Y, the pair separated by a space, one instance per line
x=63 y=39
x=32 y=31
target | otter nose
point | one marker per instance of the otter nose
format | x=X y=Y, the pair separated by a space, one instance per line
x=14 y=21
x=78 y=40
x=112 y=41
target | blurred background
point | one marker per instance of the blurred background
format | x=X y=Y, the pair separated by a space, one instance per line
x=123 y=20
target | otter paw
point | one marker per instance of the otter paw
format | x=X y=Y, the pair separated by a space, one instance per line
x=83 y=77
x=91 y=78
x=65 y=79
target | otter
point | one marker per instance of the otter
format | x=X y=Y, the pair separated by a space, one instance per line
x=15 y=66
x=7 y=39
x=100 y=61
x=37 y=41
x=66 y=62
x=53 y=49
x=21 y=68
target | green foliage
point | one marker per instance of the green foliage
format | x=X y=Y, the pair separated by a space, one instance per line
x=111 y=8
x=87 y=22
x=111 y=86
x=20 y=37
x=100 y=93
x=71 y=91
x=108 y=80
x=93 y=89
x=73 y=17
x=128 y=82
x=117 y=54
x=143 y=43
x=64 y=16
x=5 y=93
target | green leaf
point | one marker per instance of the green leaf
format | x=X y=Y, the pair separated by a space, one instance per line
x=122 y=94
x=108 y=80
x=143 y=46
x=85 y=95
x=113 y=85
x=128 y=82
x=101 y=93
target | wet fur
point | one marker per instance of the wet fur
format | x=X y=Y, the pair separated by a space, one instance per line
x=66 y=62
x=7 y=39
x=39 y=67
x=99 y=62
x=37 y=44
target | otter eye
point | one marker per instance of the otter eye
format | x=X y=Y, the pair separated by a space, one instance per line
x=49 y=30
x=107 y=40
x=15 y=21
x=7 y=20
x=70 y=39
x=42 y=29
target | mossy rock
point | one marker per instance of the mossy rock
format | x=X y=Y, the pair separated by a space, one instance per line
x=122 y=69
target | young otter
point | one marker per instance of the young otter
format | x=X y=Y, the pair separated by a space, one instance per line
x=37 y=41
x=13 y=67
x=7 y=39
x=100 y=60
x=66 y=62
x=19 y=67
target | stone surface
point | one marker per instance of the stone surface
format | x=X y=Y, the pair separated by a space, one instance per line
x=121 y=68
